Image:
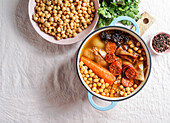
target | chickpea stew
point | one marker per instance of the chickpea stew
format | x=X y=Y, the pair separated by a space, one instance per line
x=63 y=18
x=113 y=63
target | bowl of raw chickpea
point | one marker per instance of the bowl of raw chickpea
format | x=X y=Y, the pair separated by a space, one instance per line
x=63 y=21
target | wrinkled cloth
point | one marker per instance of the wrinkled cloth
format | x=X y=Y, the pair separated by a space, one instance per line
x=39 y=83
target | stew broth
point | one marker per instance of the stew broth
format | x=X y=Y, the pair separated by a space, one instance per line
x=113 y=67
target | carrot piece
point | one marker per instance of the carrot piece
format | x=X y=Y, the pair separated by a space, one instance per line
x=99 y=70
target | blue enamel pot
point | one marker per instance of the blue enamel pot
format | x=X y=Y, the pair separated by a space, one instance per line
x=135 y=34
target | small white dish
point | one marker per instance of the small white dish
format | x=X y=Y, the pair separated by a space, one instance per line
x=163 y=53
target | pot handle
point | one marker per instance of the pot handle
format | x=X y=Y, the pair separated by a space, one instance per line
x=113 y=104
x=120 y=18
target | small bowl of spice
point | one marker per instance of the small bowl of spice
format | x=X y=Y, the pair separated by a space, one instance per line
x=160 y=43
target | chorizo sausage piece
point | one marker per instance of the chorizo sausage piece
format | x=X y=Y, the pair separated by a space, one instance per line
x=125 y=66
x=115 y=68
x=111 y=47
x=127 y=82
x=112 y=58
x=119 y=60
x=129 y=71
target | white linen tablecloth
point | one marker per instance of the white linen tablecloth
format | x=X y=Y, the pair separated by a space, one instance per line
x=38 y=81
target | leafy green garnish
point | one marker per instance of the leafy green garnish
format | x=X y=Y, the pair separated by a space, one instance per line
x=110 y=9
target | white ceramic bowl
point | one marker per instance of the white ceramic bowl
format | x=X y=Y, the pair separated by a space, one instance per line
x=67 y=41
x=163 y=53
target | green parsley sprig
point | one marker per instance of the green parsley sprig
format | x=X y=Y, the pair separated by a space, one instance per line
x=110 y=9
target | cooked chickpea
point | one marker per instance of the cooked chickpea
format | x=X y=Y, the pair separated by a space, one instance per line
x=125 y=94
x=88 y=82
x=112 y=91
x=48 y=15
x=107 y=94
x=47 y=24
x=100 y=89
x=58 y=38
x=43 y=15
x=111 y=95
x=85 y=78
x=51 y=19
x=123 y=90
x=130 y=42
x=131 y=89
x=79 y=30
x=103 y=86
x=45 y=29
x=102 y=80
x=121 y=87
x=128 y=93
x=138 y=44
x=35 y=18
x=139 y=51
x=87 y=75
x=135 y=85
x=130 y=50
x=107 y=85
x=99 y=84
x=103 y=93
x=135 y=48
x=95 y=76
x=131 y=46
x=105 y=90
x=81 y=64
x=90 y=79
x=141 y=58
x=96 y=80
x=94 y=85
x=94 y=89
x=74 y=34
x=92 y=74
x=38 y=9
x=127 y=89
x=115 y=82
x=90 y=85
x=97 y=91
x=122 y=93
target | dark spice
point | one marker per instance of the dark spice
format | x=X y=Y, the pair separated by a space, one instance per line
x=161 y=42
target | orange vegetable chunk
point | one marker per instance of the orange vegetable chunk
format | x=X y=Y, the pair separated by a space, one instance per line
x=99 y=70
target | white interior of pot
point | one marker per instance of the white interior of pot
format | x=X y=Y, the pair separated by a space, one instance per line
x=148 y=63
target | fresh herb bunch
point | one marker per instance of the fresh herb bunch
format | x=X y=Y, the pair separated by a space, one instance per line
x=110 y=9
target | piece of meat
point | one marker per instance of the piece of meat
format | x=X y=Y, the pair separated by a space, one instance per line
x=125 y=66
x=119 y=60
x=129 y=71
x=112 y=58
x=127 y=82
x=115 y=68
x=131 y=57
x=99 y=59
x=111 y=47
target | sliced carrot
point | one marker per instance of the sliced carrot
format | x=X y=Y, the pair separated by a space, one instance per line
x=99 y=70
